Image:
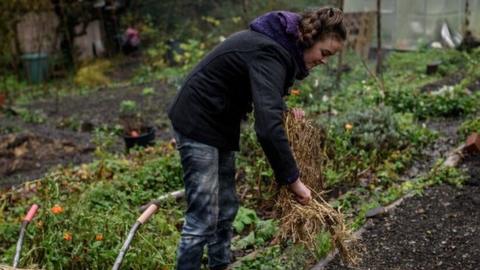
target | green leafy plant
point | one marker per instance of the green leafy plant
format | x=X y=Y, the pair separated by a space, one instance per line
x=323 y=245
x=269 y=259
x=374 y=129
x=131 y=118
x=253 y=162
x=86 y=212
x=104 y=139
x=192 y=52
x=244 y=218
x=148 y=91
x=148 y=94
x=35 y=117
x=442 y=174
x=469 y=126
x=128 y=107
x=261 y=230
x=11 y=87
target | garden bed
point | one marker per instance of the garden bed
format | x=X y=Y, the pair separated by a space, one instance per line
x=102 y=106
x=373 y=145
x=71 y=121
x=27 y=155
x=437 y=230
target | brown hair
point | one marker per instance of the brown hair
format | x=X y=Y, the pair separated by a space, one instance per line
x=320 y=23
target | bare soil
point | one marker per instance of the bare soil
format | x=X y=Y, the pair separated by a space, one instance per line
x=28 y=150
x=27 y=155
x=451 y=80
x=103 y=106
x=438 y=230
x=445 y=81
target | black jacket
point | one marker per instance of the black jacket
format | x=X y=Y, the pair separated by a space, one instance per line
x=247 y=67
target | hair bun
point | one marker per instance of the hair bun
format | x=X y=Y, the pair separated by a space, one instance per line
x=315 y=24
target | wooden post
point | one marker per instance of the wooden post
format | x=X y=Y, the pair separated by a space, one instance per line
x=340 y=57
x=245 y=8
x=379 y=37
x=466 y=22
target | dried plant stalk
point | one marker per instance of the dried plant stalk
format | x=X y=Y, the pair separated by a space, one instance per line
x=306 y=143
x=302 y=223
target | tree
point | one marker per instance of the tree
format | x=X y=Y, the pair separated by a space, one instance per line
x=379 y=37
x=70 y=14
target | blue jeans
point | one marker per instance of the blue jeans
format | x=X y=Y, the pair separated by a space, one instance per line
x=209 y=178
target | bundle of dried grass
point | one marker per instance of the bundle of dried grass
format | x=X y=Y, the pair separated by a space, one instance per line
x=301 y=223
x=306 y=141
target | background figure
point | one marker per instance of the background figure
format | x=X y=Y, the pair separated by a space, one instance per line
x=130 y=41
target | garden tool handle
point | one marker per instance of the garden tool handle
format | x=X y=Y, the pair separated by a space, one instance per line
x=126 y=245
x=158 y=201
x=31 y=213
x=147 y=213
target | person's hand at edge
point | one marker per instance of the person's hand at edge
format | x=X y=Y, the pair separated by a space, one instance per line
x=302 y=192
x=298 y=114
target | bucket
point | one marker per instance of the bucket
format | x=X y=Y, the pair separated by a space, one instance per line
x=36 y=66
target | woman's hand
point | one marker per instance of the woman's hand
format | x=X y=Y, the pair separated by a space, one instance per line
x=298 y=114
x=302 y=192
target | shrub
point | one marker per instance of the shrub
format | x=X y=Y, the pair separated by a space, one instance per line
x=93 y=74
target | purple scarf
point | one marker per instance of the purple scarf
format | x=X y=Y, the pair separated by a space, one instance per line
x=282 y=26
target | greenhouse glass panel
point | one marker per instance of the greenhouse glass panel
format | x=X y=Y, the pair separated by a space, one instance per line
x=408 y=24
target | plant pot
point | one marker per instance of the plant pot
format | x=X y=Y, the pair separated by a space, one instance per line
x=146 y=138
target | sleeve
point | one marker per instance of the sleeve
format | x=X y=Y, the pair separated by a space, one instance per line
x=267 y=78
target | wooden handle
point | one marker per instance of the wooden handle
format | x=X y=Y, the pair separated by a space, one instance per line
x=31 y=213
x=147 y=213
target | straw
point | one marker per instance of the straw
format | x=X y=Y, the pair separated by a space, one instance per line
x=302 y=223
